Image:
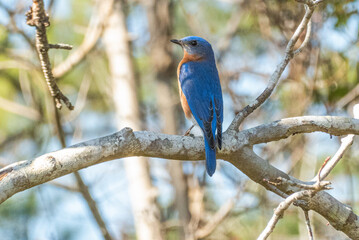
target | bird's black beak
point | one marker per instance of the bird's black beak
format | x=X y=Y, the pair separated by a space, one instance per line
x=179 y=42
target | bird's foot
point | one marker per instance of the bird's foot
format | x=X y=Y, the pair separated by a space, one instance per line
x=187 y=133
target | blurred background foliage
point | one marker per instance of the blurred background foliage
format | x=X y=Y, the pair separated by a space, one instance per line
x=249 y=39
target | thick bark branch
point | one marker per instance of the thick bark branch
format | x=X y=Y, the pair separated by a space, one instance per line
x=237 y=149
x=127 y=143
x=284 y=128
x=339 y=215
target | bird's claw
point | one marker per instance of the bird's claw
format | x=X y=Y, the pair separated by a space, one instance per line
x=188 y=131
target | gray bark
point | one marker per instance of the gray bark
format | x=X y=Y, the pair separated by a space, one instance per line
x=237 y=149
x=143 y=194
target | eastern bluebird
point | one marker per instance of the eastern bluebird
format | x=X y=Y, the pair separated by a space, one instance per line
x=201 y=94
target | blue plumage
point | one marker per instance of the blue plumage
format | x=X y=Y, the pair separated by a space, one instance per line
x=201 y=93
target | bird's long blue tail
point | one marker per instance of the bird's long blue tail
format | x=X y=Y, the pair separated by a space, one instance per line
x=210 y=158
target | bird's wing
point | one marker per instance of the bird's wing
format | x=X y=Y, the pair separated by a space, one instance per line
x=200 y=84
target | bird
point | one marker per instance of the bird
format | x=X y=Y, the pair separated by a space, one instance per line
x=201 y=94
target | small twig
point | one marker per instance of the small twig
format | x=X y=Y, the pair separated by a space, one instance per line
x=19 y=109
x=64 y=186
x=279 y=211
x=93 y=206
x=12 y=26
x=274 y=189
x=231 y=29
x=307 y=2
x=60 y=46
x=346 y=142
x=310 y=191
x=218 y=217
x=307 y=37
x=348 y=98
x=310 y=2
x=215 y=221
x=93 y=33
x=191 y=21
x=37 y=17
x=307 y=223
x=82 y=187
x=283 y=181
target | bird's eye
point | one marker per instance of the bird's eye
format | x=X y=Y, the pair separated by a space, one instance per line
x=193 y=43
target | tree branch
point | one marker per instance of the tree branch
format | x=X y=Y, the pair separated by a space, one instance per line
x=286 y=127
x=37 y=17
x=19 y=109
x=279 y=211
x=218 y=217
x=93 y=206
x=289 y=54
x=307 y=223
x=237 y=149
x=346 y=143
x=93 y=33
x=127 y=143
x=339 y=215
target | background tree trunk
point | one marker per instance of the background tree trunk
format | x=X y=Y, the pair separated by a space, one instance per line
x=160 y=27
x=143 y=194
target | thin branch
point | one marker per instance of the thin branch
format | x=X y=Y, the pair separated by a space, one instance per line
x=13 y=26
x=19 y=109
x=289 y=54
x=310 y=2
x=93 y=206
x=60 y=46
x=283 y=181
x=258 y=169
x=348 y=98
x=345 y=144
x=93 y=33
x=81 y=98
x=231 y=29
x=83 y=189
x=63 y=186
x=271 y=187
x=307 y=37
x=191 y=21
x=37 y=17
x=218 y=217
x=307 y=223
x=279 y=211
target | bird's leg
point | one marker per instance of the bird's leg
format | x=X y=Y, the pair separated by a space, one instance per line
x=188 y=131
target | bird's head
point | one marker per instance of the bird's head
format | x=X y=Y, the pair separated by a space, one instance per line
x=196 y=47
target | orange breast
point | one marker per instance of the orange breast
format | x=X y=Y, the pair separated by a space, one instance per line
x=187 y=111
x=186 y=58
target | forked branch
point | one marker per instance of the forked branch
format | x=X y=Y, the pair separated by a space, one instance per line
x=289 y=54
